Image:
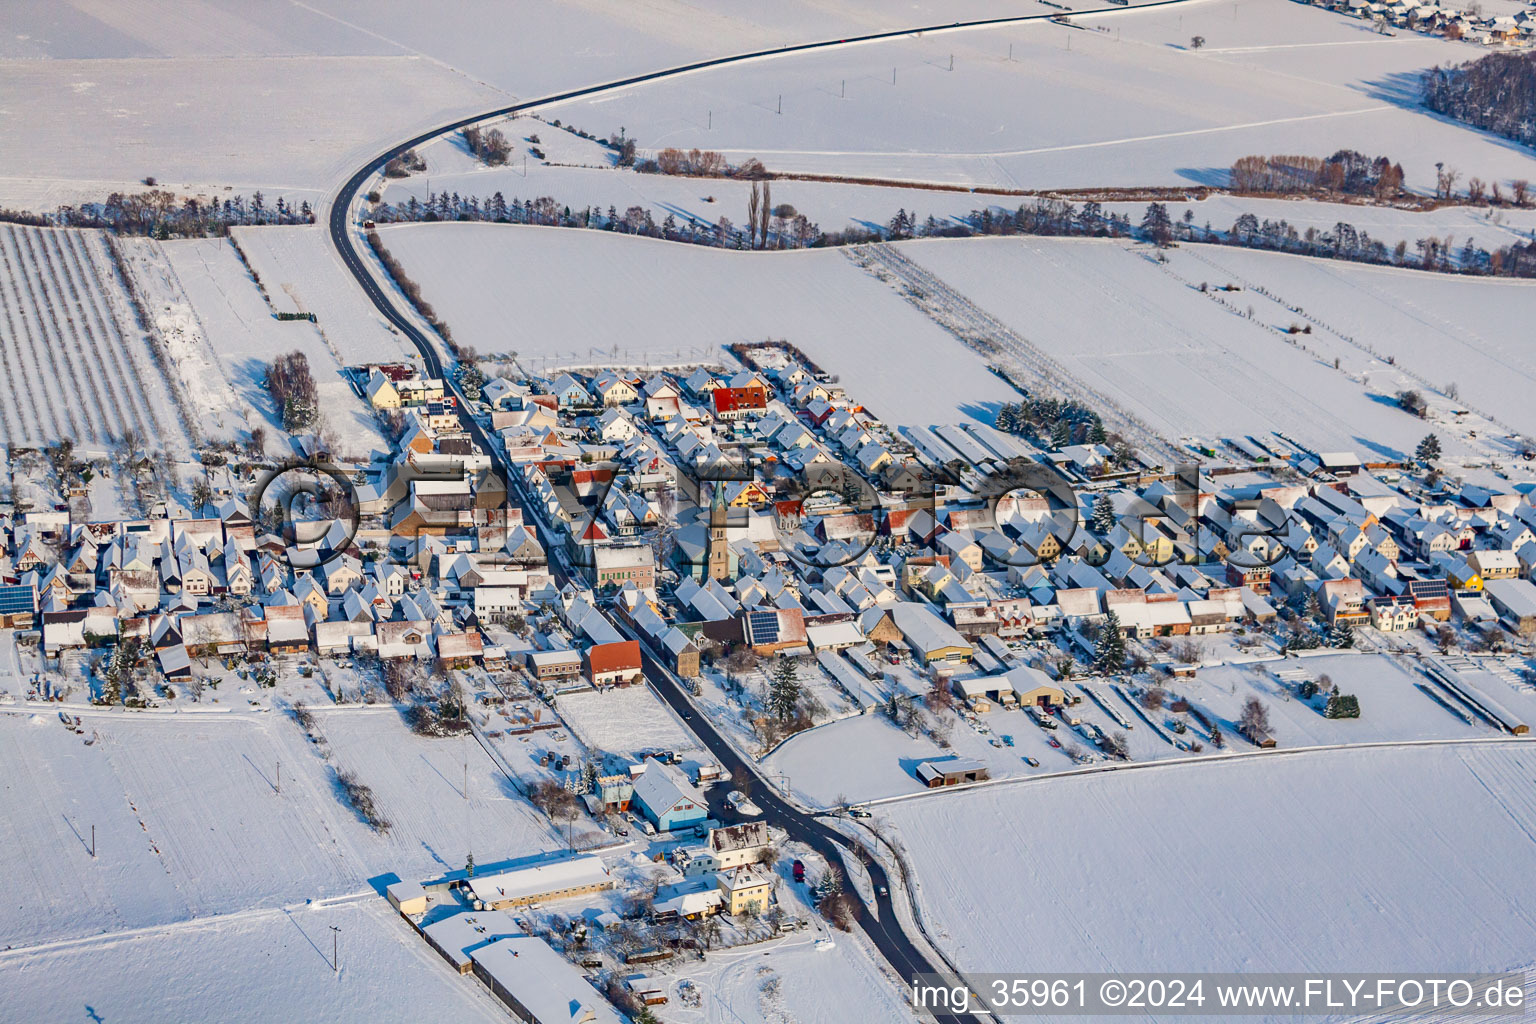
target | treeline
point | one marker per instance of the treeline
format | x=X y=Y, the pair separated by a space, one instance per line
x=1345 y=172
x=159 y=213
x=1496 y=93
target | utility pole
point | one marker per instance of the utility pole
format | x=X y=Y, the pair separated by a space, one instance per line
x=335 y=949
x=843 y=92
x=893 y=76
x=711 y=124
x=93 y=842
x=781 y=104
x=466 y=780
x=278 y=789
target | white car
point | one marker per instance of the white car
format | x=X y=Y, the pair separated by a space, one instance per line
x=739 y=802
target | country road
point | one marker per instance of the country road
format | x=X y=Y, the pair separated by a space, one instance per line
x=882 y=926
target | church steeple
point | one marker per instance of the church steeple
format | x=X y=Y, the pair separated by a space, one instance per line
x=719 y=549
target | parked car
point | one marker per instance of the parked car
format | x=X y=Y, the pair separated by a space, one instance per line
x=799 y=870
x=738 y=801
x=859 y=812
x=1031 y=761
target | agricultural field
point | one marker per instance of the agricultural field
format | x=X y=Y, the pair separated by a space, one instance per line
x=300 y=272
x=419 y=784
x=656 y=303
x=222 y=968
x=1140 y=334
x=241 y=327
x=1277 y=862
x=581 y=173
x=75 y=363
x=1120 y=99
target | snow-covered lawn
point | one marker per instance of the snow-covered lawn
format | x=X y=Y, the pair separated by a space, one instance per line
x=585 y=297
x=1376 y=859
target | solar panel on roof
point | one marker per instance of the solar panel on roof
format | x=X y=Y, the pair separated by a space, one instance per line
x=17 y=599
x=763 y=627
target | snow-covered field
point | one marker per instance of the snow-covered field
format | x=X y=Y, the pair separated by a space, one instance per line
x=302 y=274
x=260 y=966
x=1368 y=860
x=75 y=363
x=1120 y=100
x=188 y=822
x=566 y=297
x=580 y=173
x=1467 y=331
x=419 y=786
x=1142 y=334
x=243 y=330
x=213 y=126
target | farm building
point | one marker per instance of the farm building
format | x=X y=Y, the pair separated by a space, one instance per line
x=539 y=985
x=561 y=879
x=951 y=772
x=929 y=636
x=1515 y=601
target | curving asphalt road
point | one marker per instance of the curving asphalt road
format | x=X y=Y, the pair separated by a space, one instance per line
x=883 y=927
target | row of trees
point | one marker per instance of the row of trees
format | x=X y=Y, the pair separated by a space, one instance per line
x=158 y=213
x=783 y=227
x=1347 y=172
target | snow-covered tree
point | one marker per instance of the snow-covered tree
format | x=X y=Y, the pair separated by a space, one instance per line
x=784 y=690
x=1103 y=521
x=1109 y=651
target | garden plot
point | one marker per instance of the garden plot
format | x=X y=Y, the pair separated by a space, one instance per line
x=301 y=273
x=681 y=303
x=626 y=721
x=418 y=784
x=242 y=328
x=75 y=364
x=256 y=966
x=1392 y=706
x=1276 y=862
